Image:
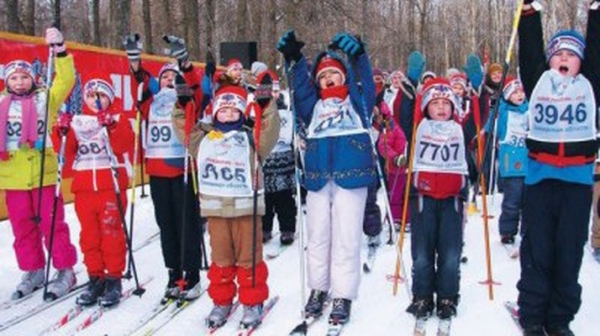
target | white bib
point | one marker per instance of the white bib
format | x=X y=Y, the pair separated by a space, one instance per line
x=15 y=121
x=516 y=129
x=389 y=96
x=334 y=117
x=286 y=131
x=224 y=165
x=91 y=149
x=161 y=139
x=562 y=109
x=440 y=148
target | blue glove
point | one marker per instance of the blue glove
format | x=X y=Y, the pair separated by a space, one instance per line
x=350 y=45
x=416 y=66
x=207 y=86
x=39 y=144
x=290 y=47
x=474 y=71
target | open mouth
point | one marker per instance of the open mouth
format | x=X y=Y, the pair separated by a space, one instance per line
x=330 y=83
x=563 y=70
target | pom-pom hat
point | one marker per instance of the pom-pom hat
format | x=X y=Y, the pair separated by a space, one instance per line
x=437 y=88
x=510 y=86
x=230 y=96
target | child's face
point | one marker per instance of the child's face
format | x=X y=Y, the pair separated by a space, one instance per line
x=517 y=97
x=167 y=79
x=90 y=101
x=378 y=79
x=235 y=72
x=458 y=89
x=330 y=78
x=566 y=62
x=228 y=114
x=19 y=83
x=496 y=76
x=439 y=109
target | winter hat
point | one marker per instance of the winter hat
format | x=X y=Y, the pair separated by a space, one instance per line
x=234 y=63
x=18 y=66
x=101 y=85
x=378 y=72
x=427 y=74
x=330 y=63
x=168 y=67
x=451 y=72
x=438 y=87
x=511 y=84
x=458 y=78
x=566 y=39
x=494 y=67
x=257 y=68
x=230 y=96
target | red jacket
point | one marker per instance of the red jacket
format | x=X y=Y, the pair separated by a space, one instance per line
x=121 y=141
x=193 y=77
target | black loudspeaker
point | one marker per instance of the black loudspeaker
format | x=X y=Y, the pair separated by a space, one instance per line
x=246 y=52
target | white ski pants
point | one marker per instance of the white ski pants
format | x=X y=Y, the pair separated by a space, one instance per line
x=334 y=228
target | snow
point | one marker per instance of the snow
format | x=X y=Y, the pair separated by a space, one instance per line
x=376 y=312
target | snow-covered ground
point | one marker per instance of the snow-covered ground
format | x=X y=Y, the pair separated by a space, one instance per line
x=376 y=312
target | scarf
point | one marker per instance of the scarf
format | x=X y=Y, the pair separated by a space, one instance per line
x=340 y=91
x=28 y=119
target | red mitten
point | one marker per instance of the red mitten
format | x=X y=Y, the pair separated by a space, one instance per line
x=105 y=118
x=64 y=123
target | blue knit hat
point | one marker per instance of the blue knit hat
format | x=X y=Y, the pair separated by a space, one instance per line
x=566 y=39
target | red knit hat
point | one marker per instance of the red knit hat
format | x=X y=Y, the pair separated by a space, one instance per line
x=438 y=87
x=458 y=78
x=99 y=82
x=230 y=96
x=233 y=64
x=510 y=85
x=330 y=63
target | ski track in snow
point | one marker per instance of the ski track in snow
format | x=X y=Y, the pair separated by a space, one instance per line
x=375 y=312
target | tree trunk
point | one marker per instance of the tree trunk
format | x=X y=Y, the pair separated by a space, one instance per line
x=120 y=23
x=210 y=22
x=147 y=26
x=12 y=15
x=29 y=17
x=272 y=34
x=96 y=23
x=193 y=30
x=57 y=14
x=242 y=21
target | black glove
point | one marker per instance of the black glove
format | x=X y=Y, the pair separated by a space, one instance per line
x=290 y=47
x=177 y=48
x=133 y=46
x=264 y=91
x=184 y=92
x=350 y=45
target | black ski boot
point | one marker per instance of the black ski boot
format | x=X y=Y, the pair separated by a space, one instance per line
x=340 y=311
x=534 y=330
x=112 y=292
x=559 y=331
x=421 y=307
x=91 y=293
x=314 y=306
x=172 y=290
x=446 y=308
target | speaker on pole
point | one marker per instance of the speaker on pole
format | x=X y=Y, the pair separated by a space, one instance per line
x=245 y=52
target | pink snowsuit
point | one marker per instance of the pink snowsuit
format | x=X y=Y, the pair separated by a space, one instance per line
x=392 y=143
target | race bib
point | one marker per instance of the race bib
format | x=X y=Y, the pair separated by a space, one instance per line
x=161 y=141
x=334 y=117
x=14 y=123
x=516 y=129
x=562 y=109
x=91 y=139
x=286 y=131
x=224 y=165
x=440 y=148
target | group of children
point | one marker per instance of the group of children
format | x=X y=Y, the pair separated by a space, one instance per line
x=239 y=148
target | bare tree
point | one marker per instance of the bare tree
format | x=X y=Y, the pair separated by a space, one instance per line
x=120 y=22
x=29 y=17
x=210 y=22
x=57 y=13
x=146 y=14
x=12 y=15
x=96 y=23
x=193 y=29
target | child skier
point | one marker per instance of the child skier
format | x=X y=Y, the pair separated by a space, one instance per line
x=102 y=238
x=562 y=86
x=165 y=160
x=512 y=127
x=339 y=166
x=23 y=108
x=439 y=175
x=280 y=180
x=227 y=167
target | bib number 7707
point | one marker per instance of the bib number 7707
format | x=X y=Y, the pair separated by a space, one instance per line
x=445 y=151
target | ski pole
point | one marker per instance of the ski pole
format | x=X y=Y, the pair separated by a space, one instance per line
x=142 y=162
x=115 y=178
x=57 y=190
x=50 y=70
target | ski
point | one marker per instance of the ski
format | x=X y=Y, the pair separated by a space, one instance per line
x=213 y=328
x=180 y=306
x=276 y=253
x=444 y=327
x=65 y=319
x=334 y=329
x=368 y=264
x=40 y=308
x=248 y=330
x=513 y=310
x=302 y=328
x=160 y=307
x=99 y=311
x=11 y=303
x=146 y=242
x=512 y=250
x=420 y=328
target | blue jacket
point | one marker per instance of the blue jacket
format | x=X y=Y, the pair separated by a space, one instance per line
x=347 y=160
x=512 y=157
